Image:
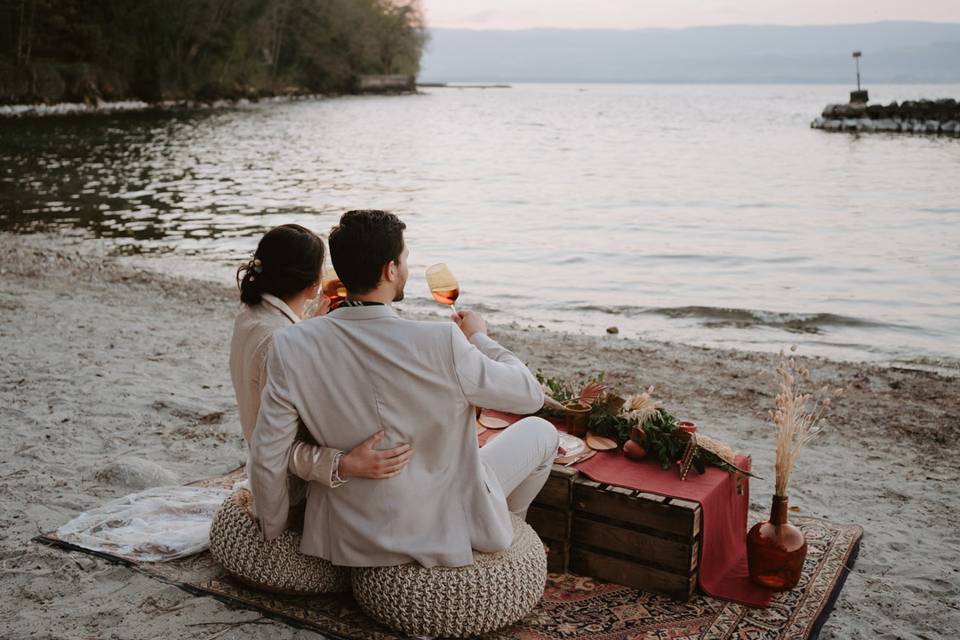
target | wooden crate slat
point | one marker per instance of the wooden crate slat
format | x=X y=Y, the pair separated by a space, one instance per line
x=558 y=554
x=631 y=574
x=549 y=523
x=558 y=490
x=566 y=472
x=643 y=547
x=550 y=516
x=674 y=519
x=693 y=506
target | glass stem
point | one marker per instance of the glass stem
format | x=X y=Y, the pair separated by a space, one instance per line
x=453 y=307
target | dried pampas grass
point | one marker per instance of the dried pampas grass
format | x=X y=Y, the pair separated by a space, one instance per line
x=717 y=448
x=796 y=415
x=640 y=407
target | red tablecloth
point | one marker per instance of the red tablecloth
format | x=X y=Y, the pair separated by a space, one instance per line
x=723 y=546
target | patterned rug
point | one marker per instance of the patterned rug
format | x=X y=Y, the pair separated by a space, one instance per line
x=573 y=607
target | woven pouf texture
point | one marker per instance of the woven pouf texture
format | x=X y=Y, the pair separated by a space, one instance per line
x=237 y=544
x=496 y=590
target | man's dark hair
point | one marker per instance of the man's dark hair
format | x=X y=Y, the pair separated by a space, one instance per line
x=361 y=244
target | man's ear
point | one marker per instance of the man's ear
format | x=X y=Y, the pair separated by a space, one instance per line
x=389 y=272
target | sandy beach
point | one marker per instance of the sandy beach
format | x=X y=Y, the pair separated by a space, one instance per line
x=104 y=359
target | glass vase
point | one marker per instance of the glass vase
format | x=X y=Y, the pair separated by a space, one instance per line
x=776 y=550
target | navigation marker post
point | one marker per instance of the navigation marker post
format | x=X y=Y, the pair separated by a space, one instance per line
x=858 y=95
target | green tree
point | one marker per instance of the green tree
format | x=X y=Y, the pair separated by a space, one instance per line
x=164 y=49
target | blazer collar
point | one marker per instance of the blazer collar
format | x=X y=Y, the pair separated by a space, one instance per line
x=363 y=313
x=281 y=306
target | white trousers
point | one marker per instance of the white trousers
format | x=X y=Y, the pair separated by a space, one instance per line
x=521 y=458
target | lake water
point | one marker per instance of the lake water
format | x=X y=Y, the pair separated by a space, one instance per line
x=709 y=215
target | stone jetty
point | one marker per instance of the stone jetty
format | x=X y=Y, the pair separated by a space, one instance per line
x=909 y=116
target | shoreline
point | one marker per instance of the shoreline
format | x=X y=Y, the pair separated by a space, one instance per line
x=426 y=309
x=14 y=111
x=105 y=359
x=44 y=110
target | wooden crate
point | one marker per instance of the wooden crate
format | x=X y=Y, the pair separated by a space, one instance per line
x=628 y=537
x=636 y=539
x=551 y=515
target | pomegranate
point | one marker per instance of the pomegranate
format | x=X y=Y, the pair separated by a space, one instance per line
x=633 y=450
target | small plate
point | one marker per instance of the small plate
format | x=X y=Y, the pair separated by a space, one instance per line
x=491 y=422
x=601 y=443
x=571 y=445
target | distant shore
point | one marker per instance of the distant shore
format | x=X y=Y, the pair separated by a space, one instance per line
x=42 y=89
x=122 y=106
x=103 y=359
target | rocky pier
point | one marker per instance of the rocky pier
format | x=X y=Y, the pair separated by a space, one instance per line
x=940 y=117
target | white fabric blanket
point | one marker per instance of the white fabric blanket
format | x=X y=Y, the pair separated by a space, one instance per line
x=159 y=524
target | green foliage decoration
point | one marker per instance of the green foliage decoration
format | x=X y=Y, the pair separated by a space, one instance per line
x=660 y=434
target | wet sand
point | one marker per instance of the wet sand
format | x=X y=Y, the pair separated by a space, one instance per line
x=104 y=359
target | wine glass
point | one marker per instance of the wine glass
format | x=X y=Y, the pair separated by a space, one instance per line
x=332 y=288
x=443 y=285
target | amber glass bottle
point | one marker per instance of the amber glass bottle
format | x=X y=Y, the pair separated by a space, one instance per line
x=776 y=550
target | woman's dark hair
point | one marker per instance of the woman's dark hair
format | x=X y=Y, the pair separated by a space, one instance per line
x=361 y=244
x=287 y=261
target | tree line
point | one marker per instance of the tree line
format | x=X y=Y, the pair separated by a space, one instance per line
x=173 y=49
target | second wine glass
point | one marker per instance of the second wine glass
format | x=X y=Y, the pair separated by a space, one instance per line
x=443 y=285
x=332 y=288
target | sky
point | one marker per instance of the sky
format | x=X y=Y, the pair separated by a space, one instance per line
x=638 y=14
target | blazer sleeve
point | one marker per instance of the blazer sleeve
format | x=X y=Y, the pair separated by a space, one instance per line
x=307 y=462
x=313 y=463
x=492 y=377
x=269 y=449
x=260 y=357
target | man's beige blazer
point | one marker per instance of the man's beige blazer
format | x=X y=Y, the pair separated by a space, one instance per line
x=362 y=369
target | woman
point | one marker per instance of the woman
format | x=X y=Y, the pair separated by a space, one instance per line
x=275 y=289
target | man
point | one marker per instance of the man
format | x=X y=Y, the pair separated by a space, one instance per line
x=362 y=369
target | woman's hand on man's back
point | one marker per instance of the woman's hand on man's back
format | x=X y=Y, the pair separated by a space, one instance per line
x=366 y=462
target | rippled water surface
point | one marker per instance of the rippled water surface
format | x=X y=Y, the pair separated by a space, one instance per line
x=702 y=214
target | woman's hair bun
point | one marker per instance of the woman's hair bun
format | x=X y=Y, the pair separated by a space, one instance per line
x=288 y=259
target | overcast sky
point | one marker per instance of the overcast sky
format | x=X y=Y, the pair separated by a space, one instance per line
x=637 y=14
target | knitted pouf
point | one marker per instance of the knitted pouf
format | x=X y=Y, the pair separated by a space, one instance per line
x=237 y=544
x=496 y=590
